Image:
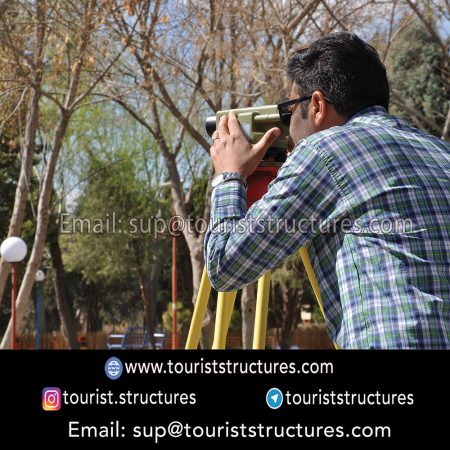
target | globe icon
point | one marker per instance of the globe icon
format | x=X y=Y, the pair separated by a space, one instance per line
x=113 y=368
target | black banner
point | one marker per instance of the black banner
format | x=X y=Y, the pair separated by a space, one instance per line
x=167 y=398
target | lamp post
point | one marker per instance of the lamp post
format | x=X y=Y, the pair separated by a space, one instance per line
x=39 y=277
x=13 y=250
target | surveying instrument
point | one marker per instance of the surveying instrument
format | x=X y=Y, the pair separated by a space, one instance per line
x=254 y=123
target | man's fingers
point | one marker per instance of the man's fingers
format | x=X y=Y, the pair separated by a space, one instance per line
x=223 y=127
x=267 y=140
x=233 y=124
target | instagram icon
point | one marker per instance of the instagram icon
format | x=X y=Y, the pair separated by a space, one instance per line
x=51 y=399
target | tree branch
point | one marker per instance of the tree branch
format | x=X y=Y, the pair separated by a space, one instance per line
x=177 y=113
x=331 y=13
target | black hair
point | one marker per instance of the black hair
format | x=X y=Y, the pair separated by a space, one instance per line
x=347 y=70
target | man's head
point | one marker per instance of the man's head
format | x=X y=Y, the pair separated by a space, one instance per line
x=342 y=74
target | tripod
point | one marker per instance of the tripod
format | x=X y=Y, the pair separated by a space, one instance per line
x=257 y=187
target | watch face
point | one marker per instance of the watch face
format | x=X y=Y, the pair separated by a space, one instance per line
x=217 y=180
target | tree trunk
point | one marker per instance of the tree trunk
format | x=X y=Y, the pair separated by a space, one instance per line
x=148 y=290
x=31 y=126
x=26 y=167
x=289 y=302
x=184 y=268
x=195 y=245
x=92 y=320
x=65 y=309
x=147 y=302
x=292 y=298
x=248 y=306
x=198 y=264
x=41 y=231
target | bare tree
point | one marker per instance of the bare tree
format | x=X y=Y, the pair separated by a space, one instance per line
x=31 y=67
x=78 y=23
x=150 y=84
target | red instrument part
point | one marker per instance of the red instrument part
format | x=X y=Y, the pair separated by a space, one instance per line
x=259 y=180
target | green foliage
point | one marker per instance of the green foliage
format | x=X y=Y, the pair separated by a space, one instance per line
x=118 y=202
x=236 y=320
x=9 y=173
x=317 y=316
x=197 y=199
x=115 y=213
x=112 y=231
x=416 y=72
x=183 y=317
x=291 y=275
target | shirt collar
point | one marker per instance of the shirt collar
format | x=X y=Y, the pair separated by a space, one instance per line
x=368 y=112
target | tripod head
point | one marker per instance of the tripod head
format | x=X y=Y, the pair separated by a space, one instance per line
x=255 y=121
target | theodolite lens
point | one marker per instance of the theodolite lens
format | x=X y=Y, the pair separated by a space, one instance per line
x=210 y=124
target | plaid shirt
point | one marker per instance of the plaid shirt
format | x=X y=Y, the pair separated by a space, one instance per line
x=371 y=199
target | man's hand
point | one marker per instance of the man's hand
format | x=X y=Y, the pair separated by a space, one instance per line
x=231 y=151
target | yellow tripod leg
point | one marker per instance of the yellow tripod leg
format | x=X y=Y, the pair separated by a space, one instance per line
x=225 y=305
x=262 y=310
x=199 y=312
x=304 y=255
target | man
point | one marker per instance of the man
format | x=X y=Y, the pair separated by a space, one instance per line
x=374 y=190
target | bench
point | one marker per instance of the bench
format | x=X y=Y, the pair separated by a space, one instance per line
x=134 y=338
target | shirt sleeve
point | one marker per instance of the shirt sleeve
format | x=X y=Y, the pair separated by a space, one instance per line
x=242 y=245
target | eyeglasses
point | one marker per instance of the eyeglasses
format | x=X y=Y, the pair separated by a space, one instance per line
x=286 y=112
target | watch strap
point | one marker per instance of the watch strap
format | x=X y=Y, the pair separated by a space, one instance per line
x=231 y=176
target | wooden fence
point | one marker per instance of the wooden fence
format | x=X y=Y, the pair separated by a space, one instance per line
x=305 y=337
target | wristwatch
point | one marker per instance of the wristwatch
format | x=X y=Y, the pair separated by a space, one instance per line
x=228 y=176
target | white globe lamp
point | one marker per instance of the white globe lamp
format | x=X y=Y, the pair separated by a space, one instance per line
x=13 y=250
x=40 y=276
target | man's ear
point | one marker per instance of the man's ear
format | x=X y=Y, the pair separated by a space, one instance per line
x=318 y=108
